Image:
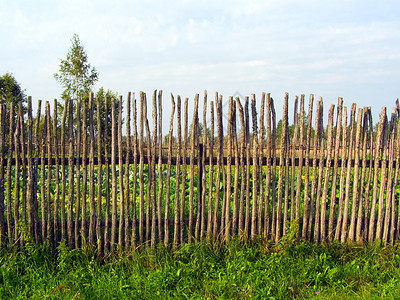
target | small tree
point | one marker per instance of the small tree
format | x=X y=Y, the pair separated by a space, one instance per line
x=76 y=75
x=11 y=91
x=11 y=94
x=104 y=96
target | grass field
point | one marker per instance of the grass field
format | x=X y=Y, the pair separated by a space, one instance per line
x=238 y=270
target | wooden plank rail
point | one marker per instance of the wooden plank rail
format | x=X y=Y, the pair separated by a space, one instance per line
x=207 y=161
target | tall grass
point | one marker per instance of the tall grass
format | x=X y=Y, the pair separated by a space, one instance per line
x=240 y=270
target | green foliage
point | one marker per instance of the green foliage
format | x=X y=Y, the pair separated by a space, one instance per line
x=105 y=115
x=11 y=91
x=225 y=271
x=76 y=75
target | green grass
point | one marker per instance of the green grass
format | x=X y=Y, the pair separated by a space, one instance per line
x=238 y=270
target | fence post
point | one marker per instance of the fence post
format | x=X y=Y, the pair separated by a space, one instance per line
x=2 y=224
x=199 y=186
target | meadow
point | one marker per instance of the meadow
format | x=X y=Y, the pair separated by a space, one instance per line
x=237 y=270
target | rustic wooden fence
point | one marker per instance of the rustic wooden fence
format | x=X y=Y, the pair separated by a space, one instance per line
x=72 y=179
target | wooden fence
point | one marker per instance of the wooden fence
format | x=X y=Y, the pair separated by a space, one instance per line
x=72 y=179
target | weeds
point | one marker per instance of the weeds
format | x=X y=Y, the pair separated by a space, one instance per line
x=244 y=270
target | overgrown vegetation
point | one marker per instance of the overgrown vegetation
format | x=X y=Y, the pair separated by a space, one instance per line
x=240 y=270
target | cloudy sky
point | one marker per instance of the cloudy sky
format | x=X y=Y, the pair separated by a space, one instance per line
x=348 y=49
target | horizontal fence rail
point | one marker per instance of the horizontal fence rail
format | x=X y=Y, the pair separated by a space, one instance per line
x=74 y=176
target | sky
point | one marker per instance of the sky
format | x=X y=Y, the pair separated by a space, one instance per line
x=332 y=49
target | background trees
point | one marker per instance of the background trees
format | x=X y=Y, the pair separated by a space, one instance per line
x=11 y=91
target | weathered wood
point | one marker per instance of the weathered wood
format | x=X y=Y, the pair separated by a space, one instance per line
x=150 y=171
x=84 y=168
x=260 y=173
x=24 y=169
x=344 y=234
x=203 y=190
x=307 y=167
x=364 y=138
x=168 y=179
x=237 y=172
x=394 y=233
x=153 y=166
x=378 y=151
x=327 y=173
x=42 y=180
x=314 y=167
x=223 y=208
x=78 y=173
x=242 y=168
x=247 y=213
x=141 y=166
x=370 y=172
x=17 y=185
x=300 y=167
x=184 y=167
x=395 y=223
x=71 y=192
x=283 y=138
x=255 y=167
x=342 y=176
x=92 y=206
x=268 y=169
x=392 y=196
x=160 y=176
x=114 y=174
x=335 y=168
x=177 y=219
x=228 y=193
x=356 y=177
x=134 y=185
x=56 y=175
x=9 y=177
x=100 y=175
x=286 y=153
x=33 y=195
x=389 y=215
x=2 y=137
x=379 y=221
x=199 y=185
x=293 y=154
x=192 y=155
x=121 y=227
x=218 y=106
x=273 y=196
x=317 y=224
x=211 y=174
x=49 y=176
x=107 y=177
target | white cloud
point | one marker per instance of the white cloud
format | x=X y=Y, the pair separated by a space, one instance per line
x=334 y=48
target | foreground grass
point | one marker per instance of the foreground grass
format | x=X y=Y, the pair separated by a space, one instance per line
x=238 y=270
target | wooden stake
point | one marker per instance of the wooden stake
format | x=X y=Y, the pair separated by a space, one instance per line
x=327 y=179
x=335 y=169
x=167 y=192
x=177 y=223
x=281 y=168
x=378 y=149
x=78 y=172
x=348 y=177
x=356 y=177
x=307 y=169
